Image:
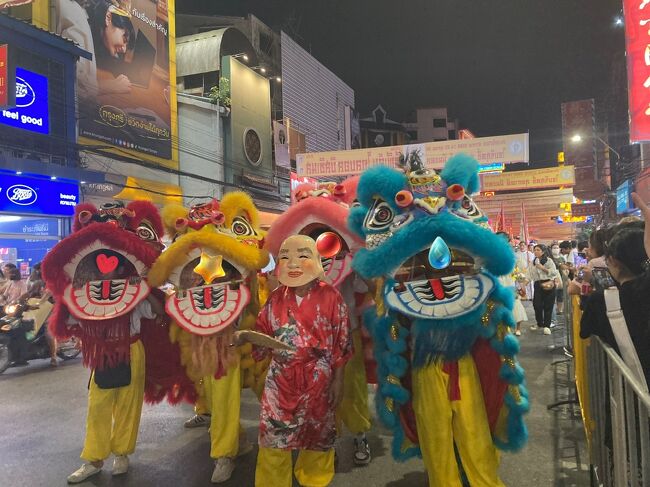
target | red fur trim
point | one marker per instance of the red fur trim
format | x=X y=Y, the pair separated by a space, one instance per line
x=76 y=224
x=113 y=238
x=57 y=323
x=105 y=343
x=165 y=376
x=144 y=210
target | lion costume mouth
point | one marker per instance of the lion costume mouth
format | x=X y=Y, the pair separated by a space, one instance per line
x=89 y=297
x=204 y=308
x=420 y=291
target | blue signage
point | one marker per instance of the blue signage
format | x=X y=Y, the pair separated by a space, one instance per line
x=624 y=203
x=32 y=109
x=34 y=196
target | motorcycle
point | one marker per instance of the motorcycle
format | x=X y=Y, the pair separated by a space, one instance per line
x=20 y=318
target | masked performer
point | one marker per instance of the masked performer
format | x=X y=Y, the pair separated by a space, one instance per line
x=304 y=386
x=321 y=211
x=448 y=378
x=96 y=276
x=213 y=265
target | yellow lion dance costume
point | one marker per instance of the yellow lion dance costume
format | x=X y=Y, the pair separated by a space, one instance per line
x=212 y=264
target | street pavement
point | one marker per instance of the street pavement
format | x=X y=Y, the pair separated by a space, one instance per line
x=42 y=416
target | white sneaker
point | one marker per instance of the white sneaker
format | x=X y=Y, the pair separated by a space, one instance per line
x=197 y=420
x=223 y=468
x=361 y=451
x=547 y=331
x=120 y=465
x=245 y=446
x=534 y=327
x=82 y=473
x=518 y=333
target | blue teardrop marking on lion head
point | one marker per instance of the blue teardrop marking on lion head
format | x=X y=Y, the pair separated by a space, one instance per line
x=439 y=254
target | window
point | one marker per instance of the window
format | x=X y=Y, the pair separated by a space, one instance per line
x=413 y=134
x=193 y=81
x=440 y=123
x=452 y=135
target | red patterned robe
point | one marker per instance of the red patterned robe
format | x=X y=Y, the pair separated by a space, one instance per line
x=296 y=411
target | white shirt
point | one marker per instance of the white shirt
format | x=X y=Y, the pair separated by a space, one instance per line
x=524 y=259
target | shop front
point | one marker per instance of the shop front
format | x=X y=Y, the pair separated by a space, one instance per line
x=35 y=213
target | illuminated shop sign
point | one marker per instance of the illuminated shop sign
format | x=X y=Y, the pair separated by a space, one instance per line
x=32 y=110
x=34 y=196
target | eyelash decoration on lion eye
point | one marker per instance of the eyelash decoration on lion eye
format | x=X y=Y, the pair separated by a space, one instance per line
x=241 y=227
x=467 y=209
x=380 y=216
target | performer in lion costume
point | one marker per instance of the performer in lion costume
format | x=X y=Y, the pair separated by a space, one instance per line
x=212 y=266
x=449 y=384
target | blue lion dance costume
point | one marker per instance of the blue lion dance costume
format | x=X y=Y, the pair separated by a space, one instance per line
x=450 y=387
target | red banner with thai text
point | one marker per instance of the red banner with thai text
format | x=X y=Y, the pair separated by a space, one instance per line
x=4 y=76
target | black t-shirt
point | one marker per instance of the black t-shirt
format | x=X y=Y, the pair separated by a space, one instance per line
x=635 y=303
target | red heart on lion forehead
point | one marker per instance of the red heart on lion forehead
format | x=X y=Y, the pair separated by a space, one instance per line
x=106 y=264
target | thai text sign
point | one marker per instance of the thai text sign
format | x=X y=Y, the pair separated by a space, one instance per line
x=551 y=177
x=637 y=38
x=503 y=148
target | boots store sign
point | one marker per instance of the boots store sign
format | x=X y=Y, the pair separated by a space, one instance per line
x=31 y=108
x=36 y=196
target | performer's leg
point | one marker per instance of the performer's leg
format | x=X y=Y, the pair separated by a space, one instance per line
x=224 y=424
x=354 y=407
x=273 y=468
x=478 y=454
x=202 y=405
x=128 y=406
x=433 y=416
x=314 y=468
x=99 y=422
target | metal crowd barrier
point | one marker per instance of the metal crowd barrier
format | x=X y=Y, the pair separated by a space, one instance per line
x=616 y=413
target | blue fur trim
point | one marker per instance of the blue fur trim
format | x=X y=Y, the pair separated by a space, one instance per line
x=496 y=255
x=380 y=181
x=512 y=375
x=355 y=220
x=462 y=169
x=386 y=351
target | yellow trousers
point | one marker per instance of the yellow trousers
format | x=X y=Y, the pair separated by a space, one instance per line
x=442 y=422
x=225 y=394
x=114 y=414
x=353 y=410
x=313 y=468
x=204 y=399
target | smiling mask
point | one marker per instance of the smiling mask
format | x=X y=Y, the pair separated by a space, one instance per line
x=299 y=262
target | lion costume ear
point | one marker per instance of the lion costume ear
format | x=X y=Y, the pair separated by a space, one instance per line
x=83 y=214
x=238 y=203
x=174 y=218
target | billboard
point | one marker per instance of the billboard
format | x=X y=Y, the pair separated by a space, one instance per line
x=502 y=148
x=551 y=177
x=127 y=95
x=31 y=106
x=7 y=79
x=637 y=40
x=25 y=195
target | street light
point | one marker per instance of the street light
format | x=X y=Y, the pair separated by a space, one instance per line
x=577 y=138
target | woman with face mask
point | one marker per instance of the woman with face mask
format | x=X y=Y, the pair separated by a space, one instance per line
x=546 y=280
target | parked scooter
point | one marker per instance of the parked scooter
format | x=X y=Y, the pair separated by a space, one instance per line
x=16 y=321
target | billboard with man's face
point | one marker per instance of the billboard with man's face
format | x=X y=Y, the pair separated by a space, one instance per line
x=125 y=95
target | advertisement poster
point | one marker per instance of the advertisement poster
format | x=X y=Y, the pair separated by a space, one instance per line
x=551 y=177
x=502 y=148
x=25 y=195
x=124 y=92
x=31 y=107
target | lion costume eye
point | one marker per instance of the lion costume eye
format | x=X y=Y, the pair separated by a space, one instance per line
x=146 y=232
x=380 y=216
x=241 y=227
x=468 y=209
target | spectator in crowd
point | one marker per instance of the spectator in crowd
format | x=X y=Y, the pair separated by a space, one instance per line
x=518 y=310
x=5 y=269
x=568 y=257
x=583 y=281
x=11 y=293
x=36 y=289
x=546 y=280
x=524 y=259
x=626 y=256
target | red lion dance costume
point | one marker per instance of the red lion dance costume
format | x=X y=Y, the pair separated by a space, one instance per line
x=323 y=208
x=97 y=277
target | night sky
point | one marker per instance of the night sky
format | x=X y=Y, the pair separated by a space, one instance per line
x=500 y=66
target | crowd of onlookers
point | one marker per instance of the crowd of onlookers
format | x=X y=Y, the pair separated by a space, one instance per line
x=615 y=258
